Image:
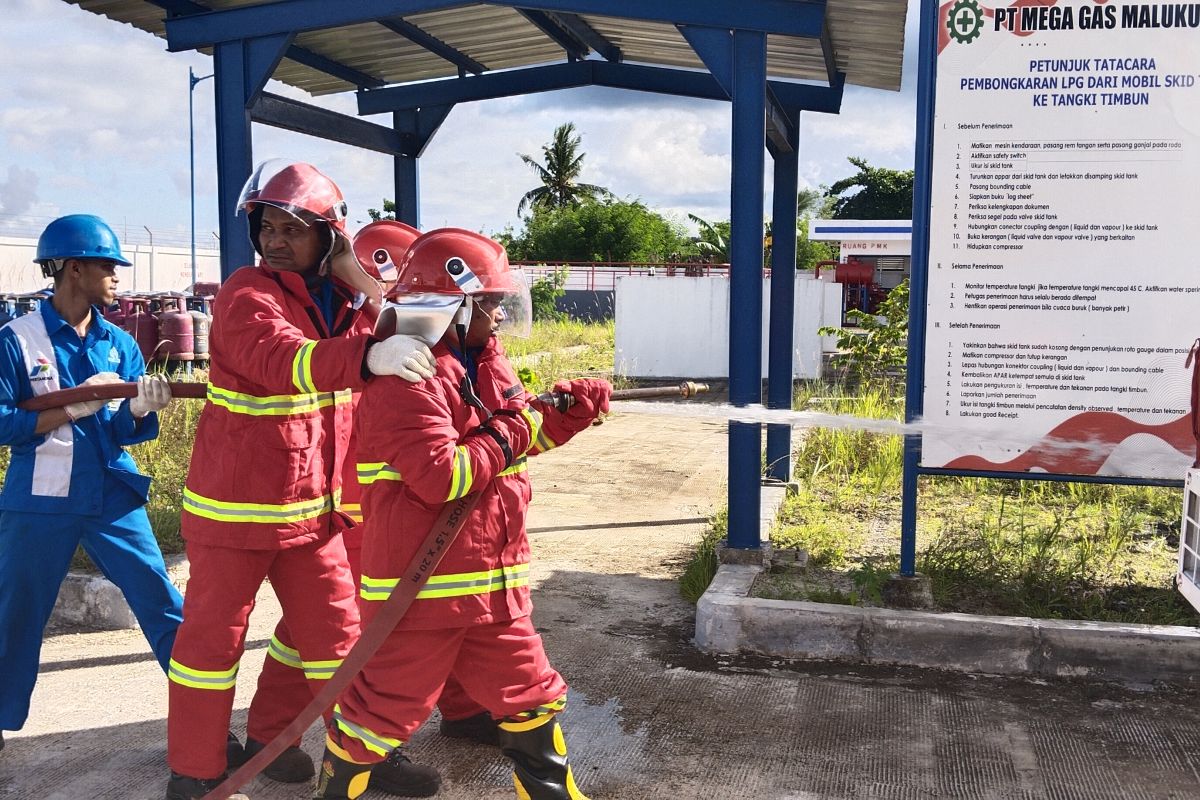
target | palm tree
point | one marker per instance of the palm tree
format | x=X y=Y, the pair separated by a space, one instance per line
x=559 y=174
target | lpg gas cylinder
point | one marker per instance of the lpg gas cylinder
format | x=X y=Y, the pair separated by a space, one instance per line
x=175 y=330
x=201 y=322
x=143 y=327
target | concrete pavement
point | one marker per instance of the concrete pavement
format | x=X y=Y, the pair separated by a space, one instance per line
x=651 y=716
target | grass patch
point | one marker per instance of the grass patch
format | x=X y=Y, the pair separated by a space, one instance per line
x=699 y=572
x=1043 y=549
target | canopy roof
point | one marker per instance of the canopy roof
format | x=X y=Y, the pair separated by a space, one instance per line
x=864 y=40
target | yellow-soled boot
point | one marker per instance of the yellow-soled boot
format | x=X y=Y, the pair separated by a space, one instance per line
x=340 y=778
x=539 y=755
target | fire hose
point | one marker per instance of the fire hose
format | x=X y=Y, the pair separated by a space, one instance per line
x=446 y=527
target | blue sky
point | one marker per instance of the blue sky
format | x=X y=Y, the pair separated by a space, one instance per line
x=94 y=117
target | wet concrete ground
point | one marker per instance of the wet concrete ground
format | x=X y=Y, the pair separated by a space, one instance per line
x=649 y=716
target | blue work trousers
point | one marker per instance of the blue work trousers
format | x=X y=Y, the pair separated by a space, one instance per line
x=35 y=553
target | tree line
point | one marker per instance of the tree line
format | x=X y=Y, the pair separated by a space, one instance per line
x=565 y=219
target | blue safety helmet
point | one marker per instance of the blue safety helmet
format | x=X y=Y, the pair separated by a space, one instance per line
x=77 y=236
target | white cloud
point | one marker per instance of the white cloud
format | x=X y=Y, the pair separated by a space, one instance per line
x=97 y=112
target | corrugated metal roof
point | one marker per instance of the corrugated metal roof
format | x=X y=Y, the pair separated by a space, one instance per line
x=867 y=37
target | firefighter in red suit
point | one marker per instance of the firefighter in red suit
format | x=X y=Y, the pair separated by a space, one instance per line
x=467 y=430
x=282 y=688
x=288 y=345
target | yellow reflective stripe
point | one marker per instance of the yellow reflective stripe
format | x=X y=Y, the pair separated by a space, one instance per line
x=519 y=466
x=369 y=472
x=534 y=418
x=302 y=377
x=353 y=511
x=376 y=588
x=375 y=742
x=215 y=680
x=273 y=405
x=223 y=511
x=542 y=442
x=321 y=670
x=453 y=585
x=460 y=478
x=288 y=656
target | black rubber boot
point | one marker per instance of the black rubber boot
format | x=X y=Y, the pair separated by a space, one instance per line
x=480 y=728
x=398 y=775
x=291 y=766
x=181 y=787
x=341 y=778
x=539 y=757
x=235 y=754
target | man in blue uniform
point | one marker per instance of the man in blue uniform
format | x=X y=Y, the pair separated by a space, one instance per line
x=69 y=481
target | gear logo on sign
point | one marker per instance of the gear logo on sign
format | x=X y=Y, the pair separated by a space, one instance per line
x=965 y=21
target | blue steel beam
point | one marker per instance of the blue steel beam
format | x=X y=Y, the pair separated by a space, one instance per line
x=589 y=36
x=783 y=298
x=575 y=49
x=749 y=52
x=829 y=54
x=682 y=83
x=713 y=47
x=292 y=115
x=785 y=17
x=416 y=127
x=301 y=55
x=433 y=44
x=288 y=16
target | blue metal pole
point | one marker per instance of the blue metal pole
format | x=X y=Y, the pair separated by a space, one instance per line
x=234 y=154
x=745 y=284
x=192 y=81
x=407 y=171
x=783 y=301
x=914 y=399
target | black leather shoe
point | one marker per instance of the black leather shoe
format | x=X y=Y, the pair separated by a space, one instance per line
x=480 y=728
x=181 y=787
x=291 y=766
x=400 y=776
x=235 y=756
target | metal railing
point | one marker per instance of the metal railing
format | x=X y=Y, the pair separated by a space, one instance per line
x=594 y=276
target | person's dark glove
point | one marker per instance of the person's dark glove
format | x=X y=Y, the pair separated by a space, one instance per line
x=591 y=398
x=514 y=430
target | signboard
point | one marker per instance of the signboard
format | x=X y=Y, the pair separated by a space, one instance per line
x=1063 y=295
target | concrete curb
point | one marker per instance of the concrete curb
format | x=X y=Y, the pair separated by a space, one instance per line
x=90 y=600
x=728 y=620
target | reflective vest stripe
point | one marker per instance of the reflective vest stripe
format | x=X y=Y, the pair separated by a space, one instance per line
x=302 y=368
x=453 y=585
x=214 y=680
x=534 y=418
x=353 y=511
x=274 y=405
x=223 y=511
x=321 y=670
x=374 y=742
x=288 y=656
x=369 y=472
x=542 y=442
x=460 y=479
x=53 y=459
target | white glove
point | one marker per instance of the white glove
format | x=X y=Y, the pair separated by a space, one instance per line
x=153 y=395
x=403 y=356
x=85 y=408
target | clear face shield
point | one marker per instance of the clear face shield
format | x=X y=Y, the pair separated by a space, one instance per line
x=295 y=187
x=427 y=315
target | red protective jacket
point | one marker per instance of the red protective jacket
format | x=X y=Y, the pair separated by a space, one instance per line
x=267 y=464
x=415 y=453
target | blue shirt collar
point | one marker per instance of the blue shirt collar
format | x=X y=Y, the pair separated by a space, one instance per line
x=99 y=327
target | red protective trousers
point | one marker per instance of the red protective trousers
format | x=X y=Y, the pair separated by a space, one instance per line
x=314 y=588
x=283 y=691
x=502 y=665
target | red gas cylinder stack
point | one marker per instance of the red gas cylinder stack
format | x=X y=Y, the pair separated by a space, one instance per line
x=175 y=330
x=143 y=327
x=119 y=312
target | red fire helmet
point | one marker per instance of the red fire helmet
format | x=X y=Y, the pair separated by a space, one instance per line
x=381 y=245
x=299 y=189
x=447 y=264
